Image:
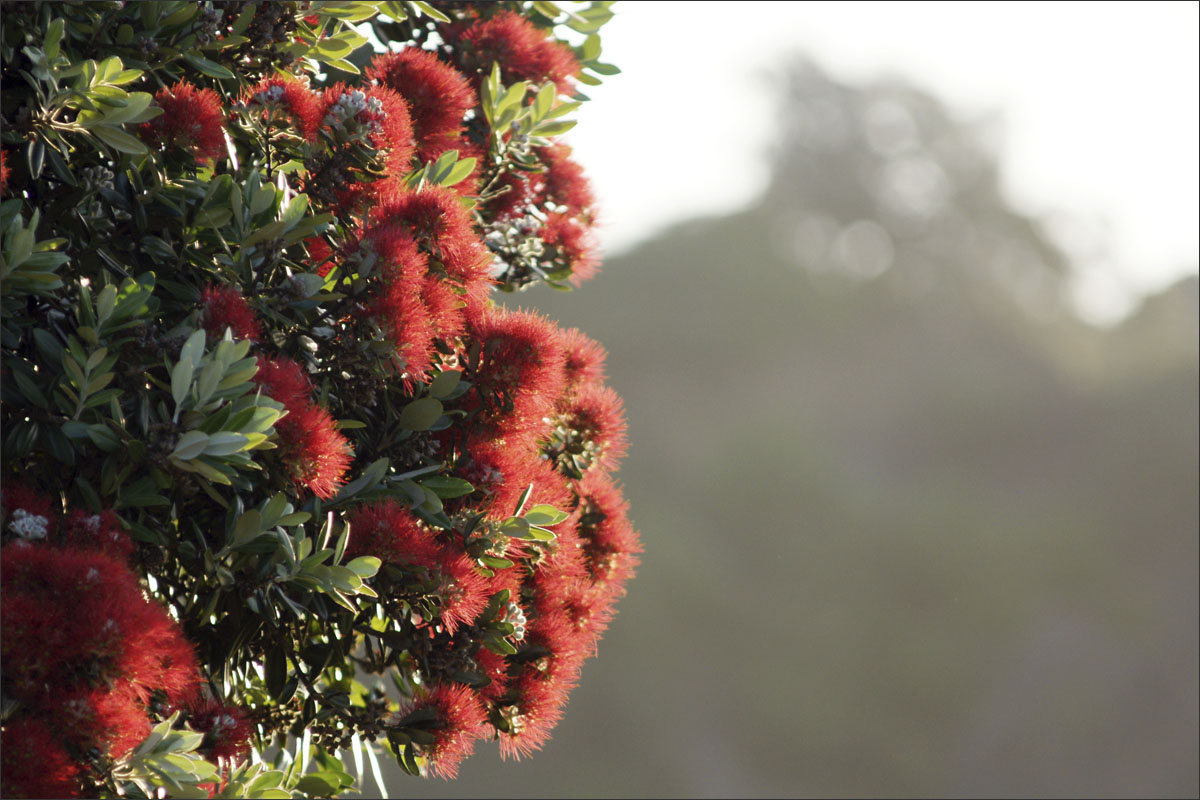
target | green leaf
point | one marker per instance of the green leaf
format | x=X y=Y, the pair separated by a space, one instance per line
x=544 y=515
x=420 y=414
x=119 y=140
x=364 y=566
x=181 y=381
x=445 y=383
x=430 y=11
x=209 y=68
x=190 y=445
x=459 y=172
x=446 y=486
x=319 y=784
x=224 y=443
x=553 y=128
x=54 y=32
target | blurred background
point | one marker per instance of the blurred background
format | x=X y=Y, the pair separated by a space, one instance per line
x=902 y=301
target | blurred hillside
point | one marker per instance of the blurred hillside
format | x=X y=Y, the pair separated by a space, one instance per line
x=911 y=527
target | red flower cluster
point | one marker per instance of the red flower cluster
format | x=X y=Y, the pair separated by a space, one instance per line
x=437 y=95
x=389 y=531
x=84 y=653
x=524 y=52
x=225 y=307
x=226 y=729
x=316 y=454
x=193 y=121
x=379 y=114
x=287 y=97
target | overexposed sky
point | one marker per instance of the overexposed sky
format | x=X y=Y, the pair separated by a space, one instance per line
x=1081 y=88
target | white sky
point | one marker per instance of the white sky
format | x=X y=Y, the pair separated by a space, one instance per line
x=1081 y=87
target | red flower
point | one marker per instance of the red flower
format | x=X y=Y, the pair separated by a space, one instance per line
x=283 y=380
x=3 y=170
x=399 y=305
x=83 y=613
x=460 y=720
x=317 y=454
x=584 y=359
x=225 y=307
x=524 y=51
x=437 y=95
x=564 y=184
x=589 y=428
x=113 y=721
x=610 y=544
x=495 y=667
x=34 y=763
x=226 y=729
x=389 y=531
x=321 y=255
x=192 y=120
x=302 y=105
x=392 y=533
x=441 y=227
x=502 y=469
x=378 y=113
x=548 y=669
x=520 y=372
x=574 y=246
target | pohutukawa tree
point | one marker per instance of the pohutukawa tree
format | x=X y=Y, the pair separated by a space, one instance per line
x=284 y=488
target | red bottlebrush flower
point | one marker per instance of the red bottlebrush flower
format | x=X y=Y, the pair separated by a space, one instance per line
x=82 y=612
x=3 y=171
x=102 y=532
x=283 y=380
x=589 y=429
x=573 y=242
x=500 y=471
x=225 y=307
x=284 y=93
x=226 y=729
x=524 y=51
x=588 y=608
x=390 y=532
x=520 y=373
x=464 y=592
x=564 y=183
x=34 y=763
x=530 y=709
x=114 y=721
x=584 y=359
x=440 y=225
x=398 y=306
x=437 y=95
x=315 y=452
x=192 y=120
x=610 y=544
x=379 y=114
x=29 y=514
x=460 y=721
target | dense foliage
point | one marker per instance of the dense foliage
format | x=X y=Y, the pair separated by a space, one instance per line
x=283 y=486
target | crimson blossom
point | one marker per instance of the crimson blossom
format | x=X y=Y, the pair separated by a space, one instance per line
x=193 y=121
